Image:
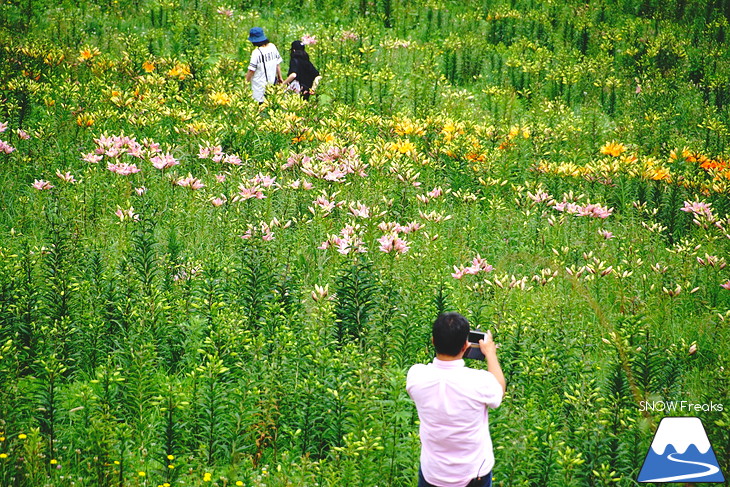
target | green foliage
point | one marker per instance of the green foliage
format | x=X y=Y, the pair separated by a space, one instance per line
x=211 y=405
x=51 y=377
x=253 y=283
x=357 y=291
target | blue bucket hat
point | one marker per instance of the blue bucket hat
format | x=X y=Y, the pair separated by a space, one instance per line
x=256 y=34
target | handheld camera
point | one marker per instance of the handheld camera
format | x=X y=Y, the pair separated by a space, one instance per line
x=474 y=352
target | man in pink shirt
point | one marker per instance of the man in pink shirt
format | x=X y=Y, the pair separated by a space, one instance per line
x=453 y=404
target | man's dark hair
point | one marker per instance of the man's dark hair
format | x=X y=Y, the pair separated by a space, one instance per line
x=450 y=331
x=260 y=43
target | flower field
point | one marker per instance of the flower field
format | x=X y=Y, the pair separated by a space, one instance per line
x=195 y=290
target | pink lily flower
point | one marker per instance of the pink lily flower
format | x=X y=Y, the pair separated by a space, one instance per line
x=264 y=181
x=5 y=147
x=458 y=272
x=308 y=40
x=190 y=182
x=164 y=161
x=245 y=193
x=124 y=214
x=91 y=158
x=67 y=177
x=360 y=210
x=232 y=159
x=218 y=201
x=435 y=192
x=123 y=169
x=41 y=184
x=605 y=234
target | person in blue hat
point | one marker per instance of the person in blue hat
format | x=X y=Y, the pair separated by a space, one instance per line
x=264 y=68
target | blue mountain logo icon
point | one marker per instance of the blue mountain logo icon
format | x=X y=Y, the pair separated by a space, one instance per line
x=681 y=452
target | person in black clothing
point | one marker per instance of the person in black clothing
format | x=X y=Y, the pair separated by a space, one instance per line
x=303 y=77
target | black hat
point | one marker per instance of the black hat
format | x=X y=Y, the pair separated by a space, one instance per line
x=297 y=46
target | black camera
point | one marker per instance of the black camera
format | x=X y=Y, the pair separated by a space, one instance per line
x=474 y=352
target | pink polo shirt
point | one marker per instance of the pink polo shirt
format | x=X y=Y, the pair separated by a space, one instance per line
x=453 y=403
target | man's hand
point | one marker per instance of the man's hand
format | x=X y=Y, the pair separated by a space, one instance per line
x=489 y=349
x=487 y=345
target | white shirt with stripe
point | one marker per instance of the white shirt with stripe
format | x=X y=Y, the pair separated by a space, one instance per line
x=264 y=61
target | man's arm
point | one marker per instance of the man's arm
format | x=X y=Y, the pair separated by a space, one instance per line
x=489 y=349
x=249 y=75
x=278 y=72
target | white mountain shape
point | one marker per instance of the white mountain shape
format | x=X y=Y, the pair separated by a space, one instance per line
x=680 y=433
